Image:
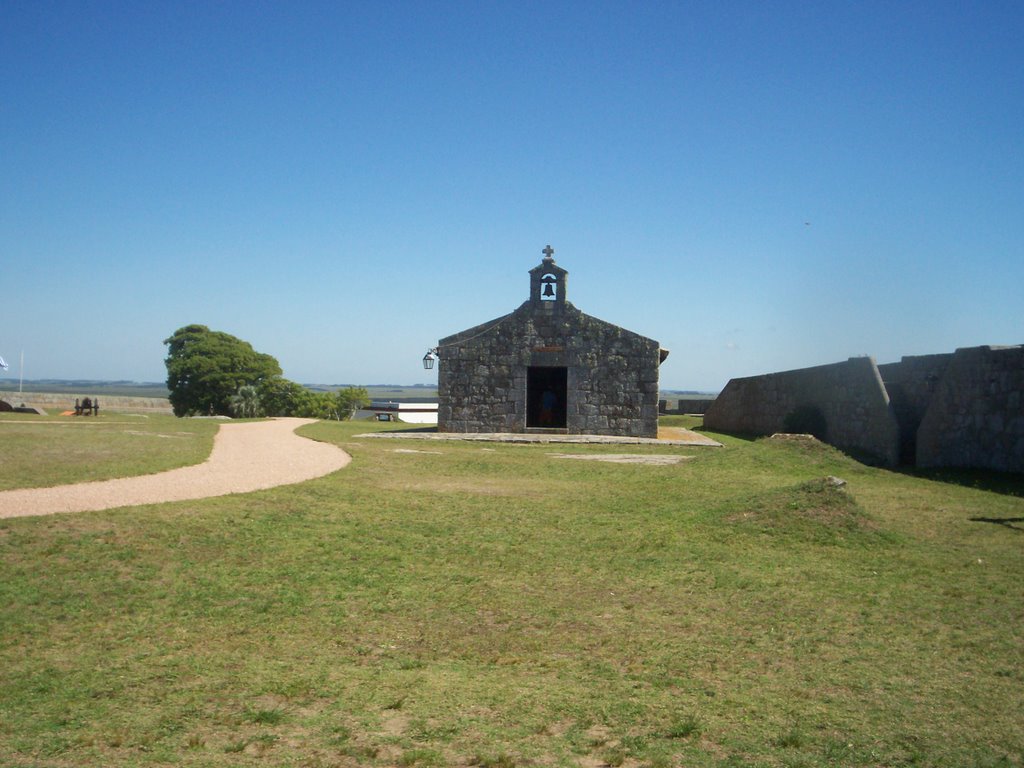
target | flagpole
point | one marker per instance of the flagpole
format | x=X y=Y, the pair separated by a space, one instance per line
x=21 y=376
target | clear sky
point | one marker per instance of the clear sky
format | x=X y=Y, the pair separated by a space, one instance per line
x=758 y=186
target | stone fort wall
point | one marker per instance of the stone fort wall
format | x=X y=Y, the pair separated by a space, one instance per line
x=976 y=416
x=964 y=409
x=911 y=383
x=844 y=404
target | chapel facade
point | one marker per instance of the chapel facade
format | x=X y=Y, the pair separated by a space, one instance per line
x=549 y=368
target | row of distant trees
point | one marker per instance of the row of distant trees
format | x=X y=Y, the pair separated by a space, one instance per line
x=215 y=373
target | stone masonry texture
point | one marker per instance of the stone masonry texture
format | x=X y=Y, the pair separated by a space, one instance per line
x=964 y=409
x=848 y=397
x=976 y=416
x=611 y=373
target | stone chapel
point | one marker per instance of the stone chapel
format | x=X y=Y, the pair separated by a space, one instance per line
x=549 y=368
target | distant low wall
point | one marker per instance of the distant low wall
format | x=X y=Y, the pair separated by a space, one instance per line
x=683 y=406
x=844 y=404
x=60 y=401
x=976 y=415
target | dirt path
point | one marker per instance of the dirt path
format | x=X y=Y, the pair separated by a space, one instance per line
x=246 y=457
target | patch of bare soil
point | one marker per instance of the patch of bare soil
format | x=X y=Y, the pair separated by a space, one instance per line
x=396 y=724
x=683 y=435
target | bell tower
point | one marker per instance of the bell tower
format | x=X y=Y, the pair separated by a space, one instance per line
x=547 y=282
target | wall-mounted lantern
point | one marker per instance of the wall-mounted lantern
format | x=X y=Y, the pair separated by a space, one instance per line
x=429 y=358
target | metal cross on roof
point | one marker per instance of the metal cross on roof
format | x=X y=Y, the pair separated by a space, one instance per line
x=548 y=251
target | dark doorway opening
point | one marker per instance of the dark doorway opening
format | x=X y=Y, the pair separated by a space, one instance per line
x=546 y=390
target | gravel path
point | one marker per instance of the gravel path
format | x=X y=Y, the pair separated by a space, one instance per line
x=246 y=457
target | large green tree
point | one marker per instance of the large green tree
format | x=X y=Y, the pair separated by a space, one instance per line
x=206 y=368
x=281 y=397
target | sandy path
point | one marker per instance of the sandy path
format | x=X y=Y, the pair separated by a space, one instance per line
x=246 y=457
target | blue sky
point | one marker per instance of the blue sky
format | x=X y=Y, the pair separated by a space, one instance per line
x=758 y=186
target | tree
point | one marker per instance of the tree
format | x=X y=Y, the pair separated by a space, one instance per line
x=205 y=369
x=318 y=405
x=245 y=404
x=350 y=400
x=281 y=397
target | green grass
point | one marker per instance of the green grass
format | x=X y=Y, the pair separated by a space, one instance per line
x=486 y=604
x=41 y=451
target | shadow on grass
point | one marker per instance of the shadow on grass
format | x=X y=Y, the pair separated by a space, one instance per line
x=1004 y=483
x=394 y=426
x=1006 y=522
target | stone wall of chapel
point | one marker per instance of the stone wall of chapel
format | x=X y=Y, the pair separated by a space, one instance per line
x=612 y=373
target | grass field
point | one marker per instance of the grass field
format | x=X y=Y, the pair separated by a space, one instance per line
x=38 y=452
x=10 y=387
x=485 y=604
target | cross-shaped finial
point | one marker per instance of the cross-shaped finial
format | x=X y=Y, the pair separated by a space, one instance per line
x=548 y=251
